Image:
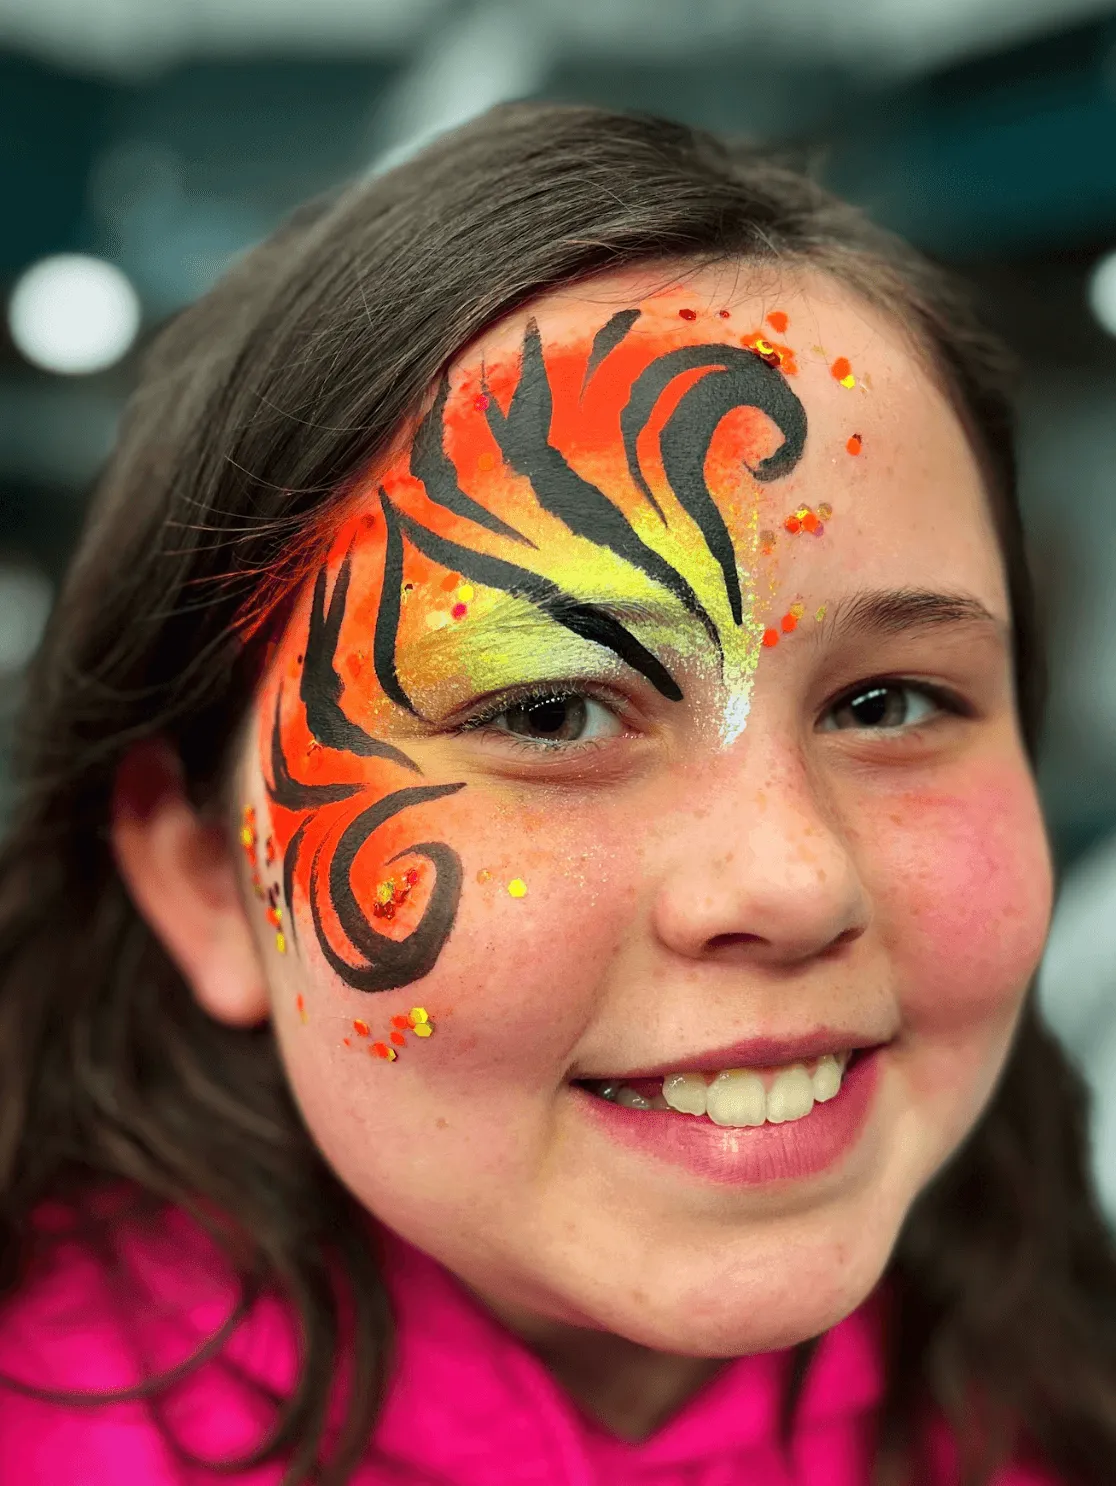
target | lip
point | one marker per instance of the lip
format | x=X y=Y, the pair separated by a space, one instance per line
x=756 y=1052
x=755 y=1155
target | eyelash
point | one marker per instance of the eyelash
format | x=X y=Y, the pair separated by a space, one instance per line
x=942 y=697
x=552 y=691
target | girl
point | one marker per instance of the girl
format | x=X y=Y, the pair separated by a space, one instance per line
x=518 y=934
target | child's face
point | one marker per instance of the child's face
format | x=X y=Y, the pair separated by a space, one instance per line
x=608 y=754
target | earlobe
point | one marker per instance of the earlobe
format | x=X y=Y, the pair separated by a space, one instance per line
x=180 y=871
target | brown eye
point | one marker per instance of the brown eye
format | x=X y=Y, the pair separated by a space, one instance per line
x=882 y=706
x=557 y=719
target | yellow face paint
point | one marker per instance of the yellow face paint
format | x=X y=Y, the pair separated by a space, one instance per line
x=587 y=508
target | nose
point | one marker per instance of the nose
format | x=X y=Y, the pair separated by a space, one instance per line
x=758 y=870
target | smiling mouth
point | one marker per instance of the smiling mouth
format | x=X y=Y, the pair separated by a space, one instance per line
x=734 y=1097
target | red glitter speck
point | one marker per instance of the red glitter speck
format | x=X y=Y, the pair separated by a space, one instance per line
x=480 y=402
x=459 y=611
x=793 y=524
x=778 y=320
x=724 y=314
x=410 y=877
x=401 y=1021
x=855 y=444
x=399 y=1039
x=810 y=522
x=381 y=1049
x=771 y=637
x=841 y=368
x=362 y=1029
x=687 y=314
x=789 y=624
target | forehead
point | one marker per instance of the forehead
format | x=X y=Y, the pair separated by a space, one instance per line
x=880 y=444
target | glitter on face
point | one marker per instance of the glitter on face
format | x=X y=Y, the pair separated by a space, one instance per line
x=484 y=875
x=687 y=314
x=770 y=637
x=841 y=371
x=788 y=624
x=804 y=519
x=820 y=613
x=855 y=444
x=417 y=1022
x=778 y=320
x=455 y=544
x=767 y=542
x=797 y=609
x=300 y=1006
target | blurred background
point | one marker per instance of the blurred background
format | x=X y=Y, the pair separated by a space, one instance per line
x=145 y=143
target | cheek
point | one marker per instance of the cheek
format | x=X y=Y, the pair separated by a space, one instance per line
x=538 y=921
x=962 y=885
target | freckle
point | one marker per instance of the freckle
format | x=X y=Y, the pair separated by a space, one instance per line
x=687 y=314
x=517 y=888
x=441 y=1124
x=486 y=461
x=778 y=320
x=855 y=444
x=770 y=637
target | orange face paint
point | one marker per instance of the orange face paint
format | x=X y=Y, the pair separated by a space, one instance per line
x=538 y=487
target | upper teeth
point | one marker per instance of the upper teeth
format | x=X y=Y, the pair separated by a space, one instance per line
x=739 y=1096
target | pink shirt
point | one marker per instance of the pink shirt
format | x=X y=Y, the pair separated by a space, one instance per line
x=468 y=1405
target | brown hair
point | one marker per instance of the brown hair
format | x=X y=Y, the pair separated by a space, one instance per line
x=256 y=406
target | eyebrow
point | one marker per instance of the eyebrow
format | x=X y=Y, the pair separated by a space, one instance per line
x=909 y=610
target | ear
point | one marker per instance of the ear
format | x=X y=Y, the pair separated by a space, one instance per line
x=181 y=872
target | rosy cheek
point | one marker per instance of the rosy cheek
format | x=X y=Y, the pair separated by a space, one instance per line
x=962 y=884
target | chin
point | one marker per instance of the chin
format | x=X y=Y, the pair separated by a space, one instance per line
x=763 y=1307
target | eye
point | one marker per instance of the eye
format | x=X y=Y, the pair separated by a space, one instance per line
x=563 y=717
x=886 y=705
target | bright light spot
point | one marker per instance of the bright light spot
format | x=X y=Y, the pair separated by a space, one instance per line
x=73 y=314
x=1102 y=292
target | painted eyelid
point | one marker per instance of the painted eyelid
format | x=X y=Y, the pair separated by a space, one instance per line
x=545 y=692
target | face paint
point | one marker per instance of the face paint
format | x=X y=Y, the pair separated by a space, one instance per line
x=575 y=509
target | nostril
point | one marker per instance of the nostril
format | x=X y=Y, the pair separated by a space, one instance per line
x=846 y=936
x=725 y=941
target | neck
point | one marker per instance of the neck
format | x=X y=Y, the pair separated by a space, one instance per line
x=632 y=1390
